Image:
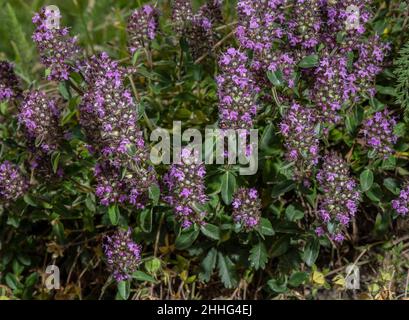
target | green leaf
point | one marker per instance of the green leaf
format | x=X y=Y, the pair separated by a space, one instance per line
x=29 y=200
x=282 y=188
x=142 y=276
x=55 y=158
x=152 y=265
x=400 y=129
x=145 y=220
x=389 y=163
x=298 y=278
x=124 y=289
x=208 y=264
x=154 y=193
x=228 y=187
x=311 y=252
x=64 y=90
x=382 y=223
x=276 y=77
x=12 y=281
x=266 y=228
x=226 y=271
x=277 y=285
x=389 y=91
x=186 y=238
x=267 y=138
x=258 y=256
x=280 y=246
x=375 y=193
x=293 y=214
x=392 y=185
x=366 y=179
x=211 y=231
x=309 y=61
x=31 y=280
x=58 y=230
x=113 y=213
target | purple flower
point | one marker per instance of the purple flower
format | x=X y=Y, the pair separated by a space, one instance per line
x=377 y=133
x=13 y=184
x=236 y=90
x=332 y=86
x=108 y=116
x=340 y=197
x=142 y=27
x=401 y=204
x=58 y=51
x=122 y=254
x=259 y=23
x=182 y=14
x=107 y=111
x=186 y=190
x=341 y=19
x=39 y=115
x=300 y=139
x=305 y=24
x=123 y=183
x=368 y=65
x=9 y=83
x=199 y=28
x=247 y=208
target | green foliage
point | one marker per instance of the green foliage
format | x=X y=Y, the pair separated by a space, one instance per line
x=61 y=222
x=402 y=79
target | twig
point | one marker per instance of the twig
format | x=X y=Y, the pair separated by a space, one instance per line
x=149 y=123
x=226 y=26
x=218 y=44
x=106 y=285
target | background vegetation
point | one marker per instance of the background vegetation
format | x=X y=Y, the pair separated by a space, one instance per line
x=61 y=223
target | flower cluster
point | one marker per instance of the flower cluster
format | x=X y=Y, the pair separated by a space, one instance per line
x=109 y=117
x=347 y=18
x=200 y=36
x=260 y=23
x=142 y=27
x=305 y=23
x=108 y=112
x=125 y=183
x=9 y=84
x=299 y=130
x=332 y=86
x=200 y=33
x=377 y=132
x=212 y=11
x=340 y=199
x=236 y=90
x=39 y=114
x=246 y=208
x=122 y=254
x=185 y=183
x=401 y=204
x=370 y=57
x=58 y=51
x=282 y=33
x=12 y=182
x=182 y=13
